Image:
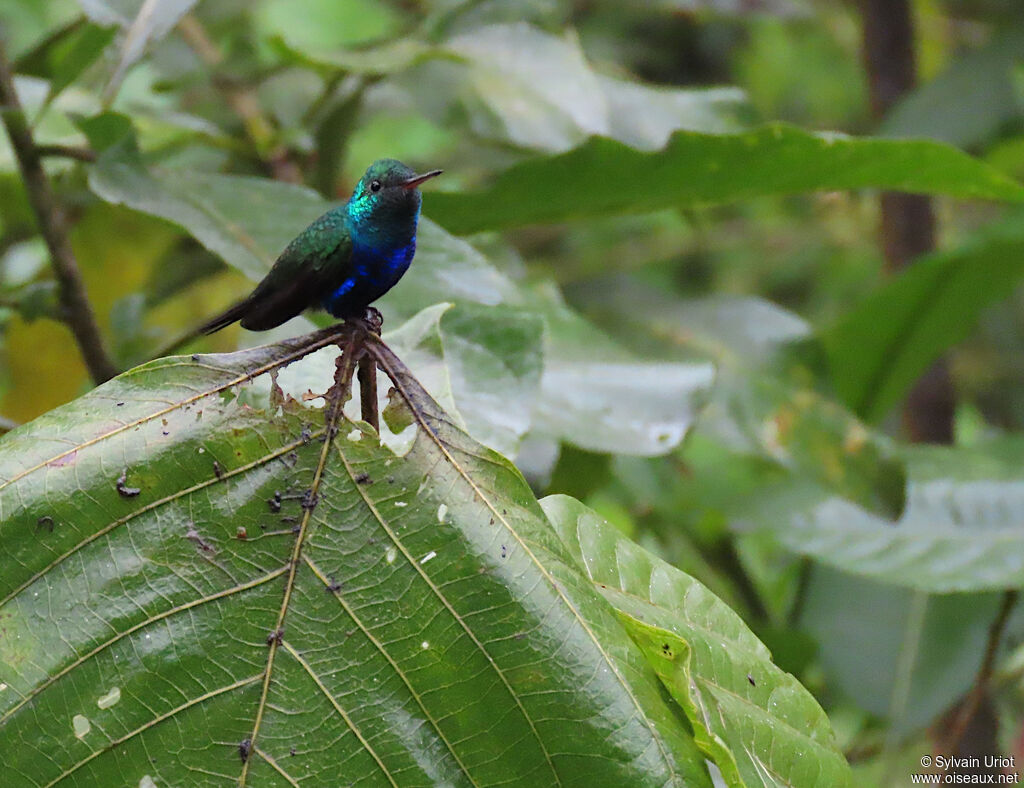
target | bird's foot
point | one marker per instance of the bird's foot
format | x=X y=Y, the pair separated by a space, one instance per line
x=374 y=320
x=370 y=321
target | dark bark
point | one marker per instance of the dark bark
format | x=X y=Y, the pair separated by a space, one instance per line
x=908 y=231
x=75 y=307
x=907 y=220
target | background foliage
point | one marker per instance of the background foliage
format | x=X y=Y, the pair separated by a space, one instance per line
x=651 y=277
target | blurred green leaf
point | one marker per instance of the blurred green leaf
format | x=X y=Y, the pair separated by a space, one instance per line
x=603 y=398
x=808 y=434
x=325 y=26
x=902 y=655
x=541 y=92
x=381 y=59
x=421 y=625
x=107 y=129
x=35 y=300
x=603 y=177
x=959 y=532
x=247 y=221
x=22 y=262
x=532 y=89
x=763 y=401
x=756 y=722
x=878 y=349
x=981 y=85
x=71 y=55
x=644 y=117
x=37 y=60
x=80 y=52
x=143 y=22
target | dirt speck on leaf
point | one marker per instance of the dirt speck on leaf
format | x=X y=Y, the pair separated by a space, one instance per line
x=122 y=486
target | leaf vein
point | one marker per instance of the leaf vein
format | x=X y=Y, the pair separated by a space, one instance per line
x=385 y=358
x=155 y=721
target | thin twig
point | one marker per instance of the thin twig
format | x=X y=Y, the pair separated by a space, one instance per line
x=77 y=310
x=67 y=152
x=972 y=702
x=243 y=103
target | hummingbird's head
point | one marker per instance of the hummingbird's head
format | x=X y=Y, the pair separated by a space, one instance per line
x=385 y=205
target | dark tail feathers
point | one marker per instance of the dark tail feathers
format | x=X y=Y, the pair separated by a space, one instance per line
x=224 y=319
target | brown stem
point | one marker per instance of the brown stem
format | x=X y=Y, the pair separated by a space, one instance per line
x=67 y=152
x=978 y=692
x=77 y=310
x=907 y=220
x=368 y=391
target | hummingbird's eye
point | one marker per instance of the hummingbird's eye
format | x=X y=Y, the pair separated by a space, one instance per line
x=374 y=186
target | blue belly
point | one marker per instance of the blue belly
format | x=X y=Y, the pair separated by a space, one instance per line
x=374 y=272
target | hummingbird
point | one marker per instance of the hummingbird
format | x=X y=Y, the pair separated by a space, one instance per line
x=346 y=259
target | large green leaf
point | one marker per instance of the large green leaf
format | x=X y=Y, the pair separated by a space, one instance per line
x=878 y=349
x=757 y=723
x=245 y=220
x=185 y=579
x=603 y=176
x=960 y=531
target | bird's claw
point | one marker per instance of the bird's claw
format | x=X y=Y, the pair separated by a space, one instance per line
x=373 y=320
x=370 y=322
